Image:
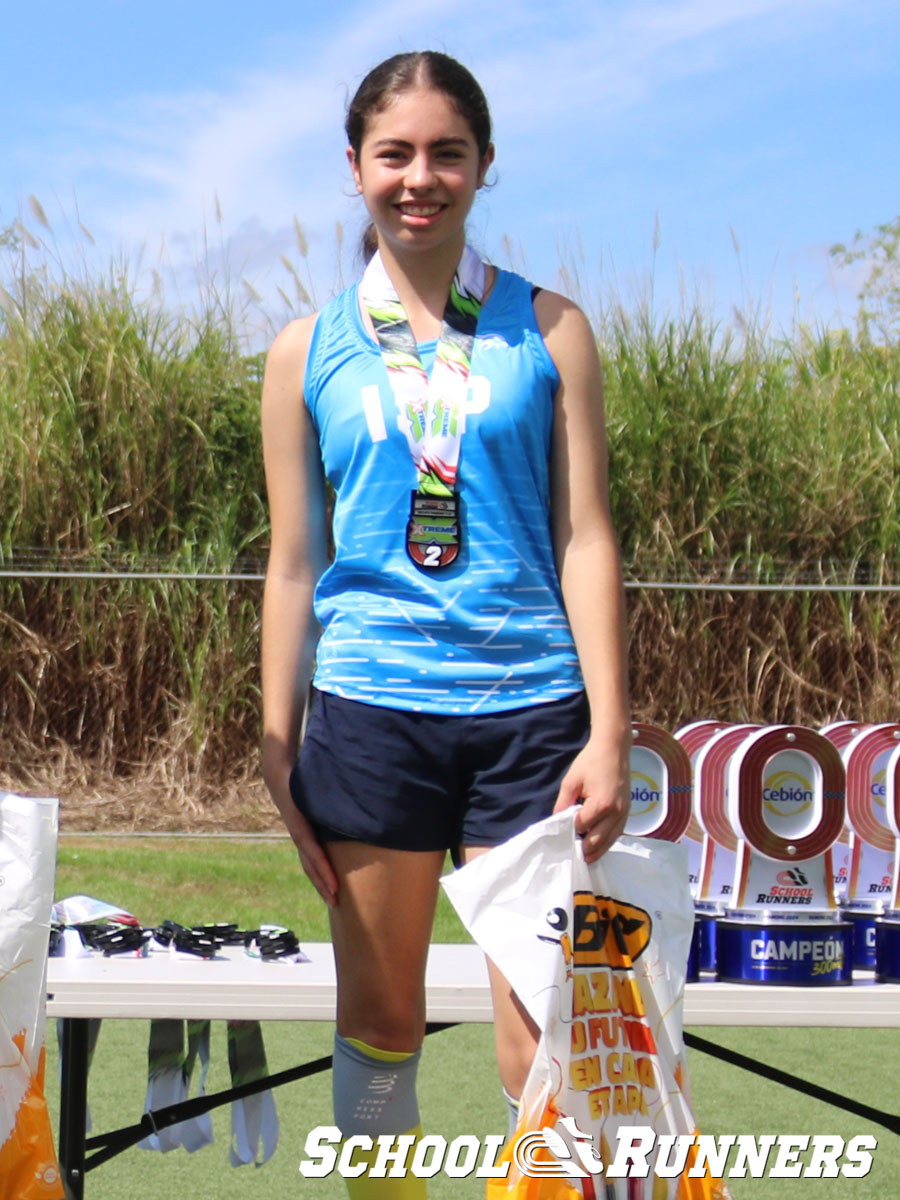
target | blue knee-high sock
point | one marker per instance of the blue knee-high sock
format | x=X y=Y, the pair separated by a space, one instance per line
x=375 y=1093
x=513 y=1108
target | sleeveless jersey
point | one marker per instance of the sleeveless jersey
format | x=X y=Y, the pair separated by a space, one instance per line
x=489 y=632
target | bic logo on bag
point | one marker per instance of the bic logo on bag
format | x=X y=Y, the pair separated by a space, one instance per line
x=605 y=932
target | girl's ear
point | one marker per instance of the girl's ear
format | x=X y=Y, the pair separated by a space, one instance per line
x=486 y=161
x=354 y=167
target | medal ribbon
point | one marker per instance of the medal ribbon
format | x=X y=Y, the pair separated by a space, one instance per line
x=430 y=409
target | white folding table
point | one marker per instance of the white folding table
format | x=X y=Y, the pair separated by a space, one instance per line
x=234 y=986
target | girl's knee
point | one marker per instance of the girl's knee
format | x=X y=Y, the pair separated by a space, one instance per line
x=391 y=1024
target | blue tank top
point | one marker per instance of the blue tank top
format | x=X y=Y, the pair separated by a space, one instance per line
x=489 y=632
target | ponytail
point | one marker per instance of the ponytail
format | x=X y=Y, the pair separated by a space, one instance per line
x=368 y=243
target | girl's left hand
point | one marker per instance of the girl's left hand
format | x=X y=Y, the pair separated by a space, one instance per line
x=599 y=780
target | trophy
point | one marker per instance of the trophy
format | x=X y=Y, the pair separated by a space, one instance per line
x=786 y=804
x=886 y=927
x=840 y=734
x=872 y=839
x=694 y=737
x=718 y=856
x=660 y=785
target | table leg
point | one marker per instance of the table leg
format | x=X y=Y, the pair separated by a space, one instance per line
x=73 y=1103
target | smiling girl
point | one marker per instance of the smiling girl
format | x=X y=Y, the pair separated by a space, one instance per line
x=470 y=671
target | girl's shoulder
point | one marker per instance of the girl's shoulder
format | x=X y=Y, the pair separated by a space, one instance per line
x=550 y=308
x=554 y=306
x=562 y=323
x=558 y=324
x=291 y=347
x=294 y=342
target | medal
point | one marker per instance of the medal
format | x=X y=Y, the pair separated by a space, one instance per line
x=433 y=531
x=430 y=409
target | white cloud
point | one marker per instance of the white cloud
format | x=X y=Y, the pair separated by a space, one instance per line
x=266 y=140
x=563 y=80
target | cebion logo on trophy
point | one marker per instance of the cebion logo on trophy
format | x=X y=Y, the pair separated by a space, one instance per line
x=660 y=785
x=886 y=927
x=840 y=734
x=870 y=884
x=693 y=738
x=661 y=796
x=786 y=807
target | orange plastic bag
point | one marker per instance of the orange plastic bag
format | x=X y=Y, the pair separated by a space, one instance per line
x=28 y=831
x=597 y=954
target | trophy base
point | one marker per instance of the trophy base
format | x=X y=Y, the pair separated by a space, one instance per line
x=693 y=962
x=887 y=947
x=790 y=949
x=705 y=914
x=862 y=915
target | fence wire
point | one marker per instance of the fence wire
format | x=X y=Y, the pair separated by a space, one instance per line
x=135 y=666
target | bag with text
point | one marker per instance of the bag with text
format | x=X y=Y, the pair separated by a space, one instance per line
x=28 y=831
x=597 y=953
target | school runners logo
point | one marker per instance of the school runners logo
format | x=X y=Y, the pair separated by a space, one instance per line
x=547 y=1155
x=791 y=886
x=639 y=1153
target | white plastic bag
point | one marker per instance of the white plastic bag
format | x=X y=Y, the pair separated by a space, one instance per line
x=28 y=833
x=597 y=954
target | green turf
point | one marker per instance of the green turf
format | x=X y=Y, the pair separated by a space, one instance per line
x=193 y=880
x=861 y=1064
x=459 y=1091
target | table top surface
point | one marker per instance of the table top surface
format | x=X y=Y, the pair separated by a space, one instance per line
x=234 y=986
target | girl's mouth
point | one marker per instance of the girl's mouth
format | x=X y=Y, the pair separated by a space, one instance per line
x=419 y=211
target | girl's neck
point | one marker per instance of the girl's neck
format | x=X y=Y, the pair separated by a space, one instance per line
x=422 y=280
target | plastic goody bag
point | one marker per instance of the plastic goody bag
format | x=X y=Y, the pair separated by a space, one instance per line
x=597 y=954
x=28 y=832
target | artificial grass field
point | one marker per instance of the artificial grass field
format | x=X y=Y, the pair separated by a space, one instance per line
x=253 y=881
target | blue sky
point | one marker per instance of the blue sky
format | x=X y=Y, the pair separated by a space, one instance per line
x=701 y=148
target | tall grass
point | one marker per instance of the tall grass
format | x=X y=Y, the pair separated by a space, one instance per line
x=129 y=437
x=128 y=440
x=729 y=451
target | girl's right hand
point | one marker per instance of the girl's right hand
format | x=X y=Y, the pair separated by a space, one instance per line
x=315 y=861
x=313 y=858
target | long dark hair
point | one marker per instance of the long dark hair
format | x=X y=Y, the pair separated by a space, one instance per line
x=400 y=73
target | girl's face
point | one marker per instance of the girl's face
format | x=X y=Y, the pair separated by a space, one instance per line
x=418 y=170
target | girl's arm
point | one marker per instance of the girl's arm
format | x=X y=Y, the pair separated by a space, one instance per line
x=295 y=492
x=587 y=558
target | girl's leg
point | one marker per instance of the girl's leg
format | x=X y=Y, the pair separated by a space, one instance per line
x=518 y=759
x=381 y=928
x=515 y=1034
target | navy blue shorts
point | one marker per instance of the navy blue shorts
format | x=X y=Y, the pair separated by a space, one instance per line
x=423 y=781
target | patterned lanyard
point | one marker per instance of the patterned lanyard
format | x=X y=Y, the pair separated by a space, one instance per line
x=430 y=410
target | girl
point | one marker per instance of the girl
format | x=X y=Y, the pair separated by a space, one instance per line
x=470 y=675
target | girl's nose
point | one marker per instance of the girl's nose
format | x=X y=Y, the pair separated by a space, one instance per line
x=419 y=173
